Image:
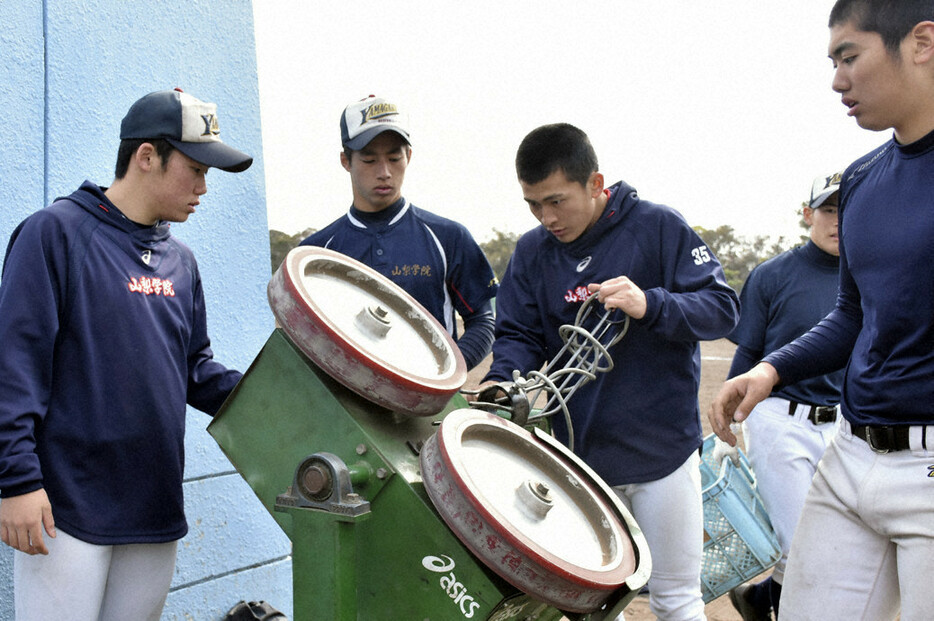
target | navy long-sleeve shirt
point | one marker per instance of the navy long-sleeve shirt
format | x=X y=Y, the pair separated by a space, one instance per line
x=782 y=299
x=882 y=328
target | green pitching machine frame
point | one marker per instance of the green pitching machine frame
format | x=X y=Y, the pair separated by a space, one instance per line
x=341 y=476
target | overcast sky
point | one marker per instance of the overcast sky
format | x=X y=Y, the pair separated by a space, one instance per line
x=722 y=109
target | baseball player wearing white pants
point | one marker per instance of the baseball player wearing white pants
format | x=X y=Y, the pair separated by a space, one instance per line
x=879 y=508
x=783 y=298
x=865 y=542
x=105 y=344
x=783 y=452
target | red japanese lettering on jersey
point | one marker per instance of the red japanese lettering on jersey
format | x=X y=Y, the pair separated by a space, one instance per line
x=578 y=294
x=152 y=286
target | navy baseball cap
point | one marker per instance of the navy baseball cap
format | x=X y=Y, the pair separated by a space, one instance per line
x=823 y=188
x=363 y=121
x=188 y=124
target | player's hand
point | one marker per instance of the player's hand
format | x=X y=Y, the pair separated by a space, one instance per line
x=738 y=396
x=22 y=519
x=722 y=450
x=621 y=293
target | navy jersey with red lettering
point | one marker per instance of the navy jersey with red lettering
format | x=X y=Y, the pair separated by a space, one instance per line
x=104 y=341
x=640 y=421
x=434 y=259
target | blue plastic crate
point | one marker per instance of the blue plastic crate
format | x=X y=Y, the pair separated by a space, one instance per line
x=739 y=541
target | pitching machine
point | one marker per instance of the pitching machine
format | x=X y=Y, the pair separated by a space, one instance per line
x=402 y=502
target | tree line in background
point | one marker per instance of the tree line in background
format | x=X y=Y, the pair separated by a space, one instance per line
x=280 y=243
x=737 y=254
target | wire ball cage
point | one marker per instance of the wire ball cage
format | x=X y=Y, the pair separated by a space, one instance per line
x=365 y=331
x=584 y=355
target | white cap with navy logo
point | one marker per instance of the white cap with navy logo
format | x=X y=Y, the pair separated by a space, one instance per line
x=364 y=120
x=187 y=123
x=823 y=188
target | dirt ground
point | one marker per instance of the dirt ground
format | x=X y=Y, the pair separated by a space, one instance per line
x=715 y=363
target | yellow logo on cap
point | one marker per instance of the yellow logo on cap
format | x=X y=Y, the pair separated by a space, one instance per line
x=211 y=127
x=379 y=110
x=833 y=179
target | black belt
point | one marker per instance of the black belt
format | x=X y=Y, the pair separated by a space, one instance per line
x=818 y=414
x=883 y=438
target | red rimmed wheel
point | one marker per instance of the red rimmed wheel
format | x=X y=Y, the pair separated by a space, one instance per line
x=525 y=512
x=365 y=331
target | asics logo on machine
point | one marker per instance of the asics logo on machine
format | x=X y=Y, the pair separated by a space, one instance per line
x=454 y=589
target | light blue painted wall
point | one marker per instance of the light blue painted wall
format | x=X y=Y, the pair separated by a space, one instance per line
x=70 y=70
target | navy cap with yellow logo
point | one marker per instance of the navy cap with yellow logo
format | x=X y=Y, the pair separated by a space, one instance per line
x=188 y=124
x=364 y=120
x=823 y=188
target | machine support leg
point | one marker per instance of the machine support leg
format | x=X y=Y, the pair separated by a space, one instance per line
x=324 y=580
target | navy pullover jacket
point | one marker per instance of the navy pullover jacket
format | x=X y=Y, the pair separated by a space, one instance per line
x=104 y=341
x=640 y=421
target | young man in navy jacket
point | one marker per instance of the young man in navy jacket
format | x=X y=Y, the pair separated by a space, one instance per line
x=434 y=259
x=864 y=546
x=104 y=334
x=638 y=426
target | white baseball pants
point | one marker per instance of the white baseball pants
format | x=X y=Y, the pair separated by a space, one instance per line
x=670 y=513
x=865 y=543
x=85 y=582
x=783 y=452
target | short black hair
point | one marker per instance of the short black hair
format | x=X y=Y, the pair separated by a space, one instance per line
x=129 y=147
x=891 y=19
x=559 y=146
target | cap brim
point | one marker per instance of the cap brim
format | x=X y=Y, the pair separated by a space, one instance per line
x=822 y=197
x=214 y=154
x=362 y=140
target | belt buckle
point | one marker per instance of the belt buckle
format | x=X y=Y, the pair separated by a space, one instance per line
x=824 y=414
x=887 y=432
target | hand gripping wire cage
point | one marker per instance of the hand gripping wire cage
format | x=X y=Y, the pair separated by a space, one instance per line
x=739 y=541
x=585 y=354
